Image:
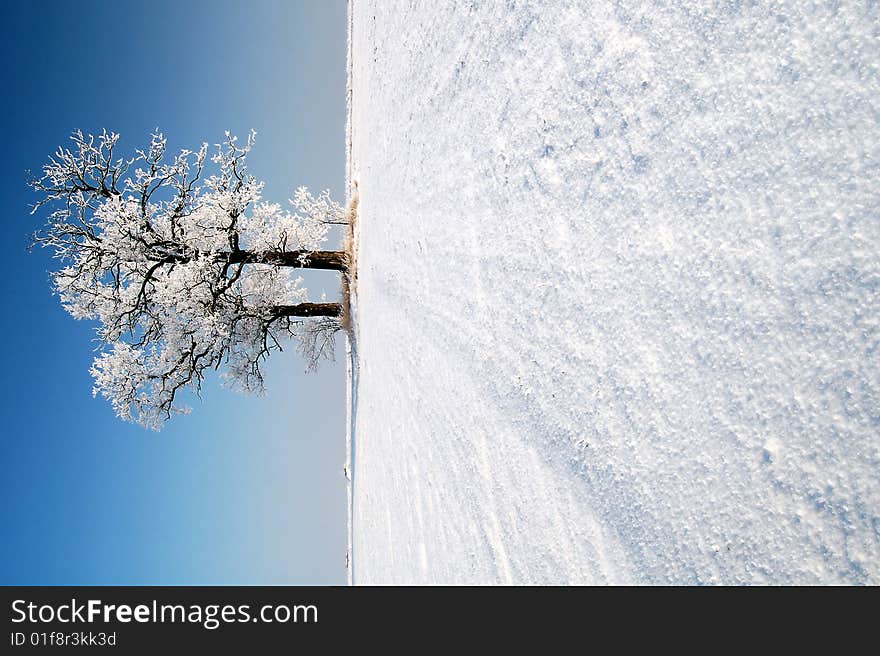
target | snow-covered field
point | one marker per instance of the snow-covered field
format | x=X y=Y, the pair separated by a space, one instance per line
x=618 y=309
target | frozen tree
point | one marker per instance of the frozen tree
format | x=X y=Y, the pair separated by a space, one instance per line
x=183 y=265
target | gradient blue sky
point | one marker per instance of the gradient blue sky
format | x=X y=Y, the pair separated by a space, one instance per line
x=245 y=489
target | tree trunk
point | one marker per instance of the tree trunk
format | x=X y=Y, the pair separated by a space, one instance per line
x=309 y=310
x=332 y=260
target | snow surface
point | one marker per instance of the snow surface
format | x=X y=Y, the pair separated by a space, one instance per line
x=618 y=308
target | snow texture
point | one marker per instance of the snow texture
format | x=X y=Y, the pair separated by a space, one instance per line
x=618 y=305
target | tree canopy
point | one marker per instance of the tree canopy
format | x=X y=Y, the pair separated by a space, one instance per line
x=183 y=265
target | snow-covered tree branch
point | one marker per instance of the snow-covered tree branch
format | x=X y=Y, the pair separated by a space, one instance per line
x=185 y=269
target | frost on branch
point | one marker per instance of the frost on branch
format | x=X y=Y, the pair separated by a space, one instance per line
x=185 y=270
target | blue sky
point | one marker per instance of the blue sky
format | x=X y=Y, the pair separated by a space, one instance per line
x=245 y=489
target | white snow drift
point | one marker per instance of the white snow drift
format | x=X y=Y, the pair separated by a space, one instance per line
x=618 y=304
